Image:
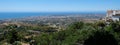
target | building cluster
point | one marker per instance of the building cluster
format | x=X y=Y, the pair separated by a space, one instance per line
x=112 y=15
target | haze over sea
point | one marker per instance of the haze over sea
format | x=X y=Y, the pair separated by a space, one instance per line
x=8 y=15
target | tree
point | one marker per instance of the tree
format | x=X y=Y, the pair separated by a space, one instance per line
x=76 y=25
x=101 y=38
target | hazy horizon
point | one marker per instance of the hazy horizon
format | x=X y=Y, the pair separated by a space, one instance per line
x=12 y=15
x=25 y=8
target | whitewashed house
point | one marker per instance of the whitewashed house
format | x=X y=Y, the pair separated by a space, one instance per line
x=113 y=15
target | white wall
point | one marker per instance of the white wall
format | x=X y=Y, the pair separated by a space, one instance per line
x=115 y=18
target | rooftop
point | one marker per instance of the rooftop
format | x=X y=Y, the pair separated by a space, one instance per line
x=113 y=12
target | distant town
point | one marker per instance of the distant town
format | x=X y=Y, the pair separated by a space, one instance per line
x=59 y=21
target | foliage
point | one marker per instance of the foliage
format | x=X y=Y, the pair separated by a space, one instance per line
x=101 y=38
x=78 y=33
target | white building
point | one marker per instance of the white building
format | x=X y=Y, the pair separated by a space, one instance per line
x=113 y=15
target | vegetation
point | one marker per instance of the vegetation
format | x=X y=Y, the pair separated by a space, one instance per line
x=78 y=33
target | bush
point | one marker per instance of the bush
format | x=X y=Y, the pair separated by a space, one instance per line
x=101 y=38
x=76 y=25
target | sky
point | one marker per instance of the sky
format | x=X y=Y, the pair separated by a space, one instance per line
x=58 y=5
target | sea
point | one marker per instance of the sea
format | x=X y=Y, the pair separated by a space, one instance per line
x=9 y=15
